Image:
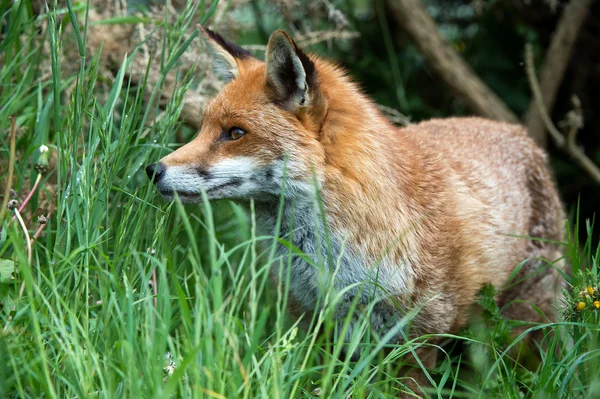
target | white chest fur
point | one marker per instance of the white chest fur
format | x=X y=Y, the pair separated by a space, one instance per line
x=330 y=264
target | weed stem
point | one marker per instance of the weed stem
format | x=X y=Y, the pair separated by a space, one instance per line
x=22 y=223
x=35 y=186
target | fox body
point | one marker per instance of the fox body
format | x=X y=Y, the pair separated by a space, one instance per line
x=427 y=214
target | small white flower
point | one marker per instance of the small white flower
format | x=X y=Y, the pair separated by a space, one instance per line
x=169 y=370
x=169 y=365
x=43 y=149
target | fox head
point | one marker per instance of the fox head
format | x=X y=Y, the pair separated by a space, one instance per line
x=262 y=131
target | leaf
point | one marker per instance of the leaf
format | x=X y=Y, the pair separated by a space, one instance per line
x=7 y=267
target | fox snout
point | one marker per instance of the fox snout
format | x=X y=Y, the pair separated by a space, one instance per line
x=186 y=182
x=155 y=172
x=234 y=178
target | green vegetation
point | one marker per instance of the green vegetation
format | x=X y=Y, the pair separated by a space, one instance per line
x=126 y=296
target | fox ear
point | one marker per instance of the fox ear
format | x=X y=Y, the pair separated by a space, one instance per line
x=290 y=74
x=228 y=57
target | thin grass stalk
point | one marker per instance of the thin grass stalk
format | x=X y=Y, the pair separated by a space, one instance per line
x=11 y=166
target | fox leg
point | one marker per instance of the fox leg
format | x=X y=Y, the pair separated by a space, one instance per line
x=535 y=292
x=413 y=376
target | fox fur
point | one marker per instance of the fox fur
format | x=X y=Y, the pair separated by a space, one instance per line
x=428 y=213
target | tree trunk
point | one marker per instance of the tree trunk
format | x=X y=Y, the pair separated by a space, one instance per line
x=412 y=17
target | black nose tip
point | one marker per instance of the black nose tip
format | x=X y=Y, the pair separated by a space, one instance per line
x=155 y=172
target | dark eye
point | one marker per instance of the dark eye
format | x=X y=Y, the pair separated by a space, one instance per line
x=235 y=133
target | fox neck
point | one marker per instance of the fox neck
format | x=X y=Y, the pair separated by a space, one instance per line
x=333 y=264
x=301 y=226
x=300 y=222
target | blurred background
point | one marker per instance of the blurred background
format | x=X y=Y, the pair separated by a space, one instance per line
x=417 y=59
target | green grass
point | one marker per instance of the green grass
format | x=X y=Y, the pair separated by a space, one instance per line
x=120 y=282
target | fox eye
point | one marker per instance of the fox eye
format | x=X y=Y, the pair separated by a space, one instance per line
x=235 y=133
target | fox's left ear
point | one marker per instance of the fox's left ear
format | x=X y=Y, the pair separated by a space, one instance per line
x=290 y=74
x=229 y=59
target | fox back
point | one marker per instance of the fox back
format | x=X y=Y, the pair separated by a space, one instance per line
x=428 y=214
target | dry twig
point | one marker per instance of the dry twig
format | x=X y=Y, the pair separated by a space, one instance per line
x=555 y=63
x=315 y=37
x=43 y=220
x=573 y=124
x=394 y=115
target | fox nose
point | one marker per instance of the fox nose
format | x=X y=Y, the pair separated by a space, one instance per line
x=155 y=172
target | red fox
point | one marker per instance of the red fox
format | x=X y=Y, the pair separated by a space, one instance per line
x=429 y=213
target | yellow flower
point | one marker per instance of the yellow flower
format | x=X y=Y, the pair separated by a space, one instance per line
x=590 y=290
x=597 y=304
x=581 y=306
